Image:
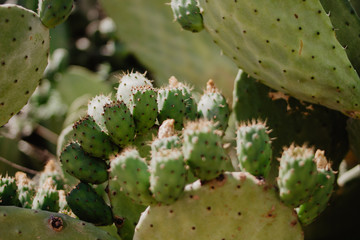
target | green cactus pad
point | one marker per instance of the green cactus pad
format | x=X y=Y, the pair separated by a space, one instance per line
x=24 y=48
x=187 y=13
x=203 y=150
x=26 y=189
x=143 y=106
x=237 y=206
x=46 y=197
x=297 y=175
x=79 y=164
x=120 y=123
x=168 y=175
x=126 y=212
x=167 y=137
x=253 y=148
x=89 y=206
x=8 y=191
x=92 y=139
x=27 y=224
x=96 y=110
x=132 y=174
x=278 y=43
x=54 y=12
x=213 y=106
x=142 y=142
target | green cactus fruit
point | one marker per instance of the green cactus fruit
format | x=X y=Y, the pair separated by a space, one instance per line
x=293 y=55
x=8 y=191
x=53 y=170
x=28 y=224
x=92 y=139
x=143 y=107
x=54 y=12
x=96 y=110
x=127 y=82
x=190 y=103
x=235 y=206
x=187 y=13
x=89 y=206
x=203 y=150
x=119 y=123
x=167 y=138
x=26 y=189
x=308 y=211
x=297 y=175
x=24 y=49
x=253 y=148
x=213 y=106
x=132 y=174
x=126 y=212
x=347 y=27
x=46 y=197
x=172 y=104
x=81 y=165
x=168 y=175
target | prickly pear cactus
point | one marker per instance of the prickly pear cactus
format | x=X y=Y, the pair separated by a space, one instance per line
x=54 y=12
x=235 y=206
x=187 y=13
x=277 y=43
x=24 y=48
x=37 y=224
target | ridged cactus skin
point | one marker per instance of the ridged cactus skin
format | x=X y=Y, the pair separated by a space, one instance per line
x=168 y=175
x=203 y=150
x=132 y=173
x=310 y=210
x=54 y=12
x=237 y=206
x=292 y=54
x=187 y=13
x=81 y=165
x=89 y=206
x=28 y=224
x=119 y=122
x=92 y=139
x=297 y=175
x=213 y=106
x=144 y=108
x=253 y=148
x=24 y=51
x=126 y=212
x=8 y=191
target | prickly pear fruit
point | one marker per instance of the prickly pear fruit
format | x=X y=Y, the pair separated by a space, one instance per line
x=167 y=138
x=126 y=212
x=89 y=206
x=81 y=165
x=54 y=12
x=249 y=208
x=187 y=13
x=127 y=82
x=8 y=191
x=92 y=139
x=292 y=55
x=96 y=110
x=168 y=175
x=308 y=211
x=46 y=197
x=297 y=175
x=132 y=173
x=203 y=150
x=38 y=224
x=213 y=106
x=24 y=48
x=26 y=189
x=253 y=148
x=119 y=123
x=172 y=105
x=143 y=106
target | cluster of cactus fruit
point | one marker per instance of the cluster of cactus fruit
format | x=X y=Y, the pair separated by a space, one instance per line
x=180 y=173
